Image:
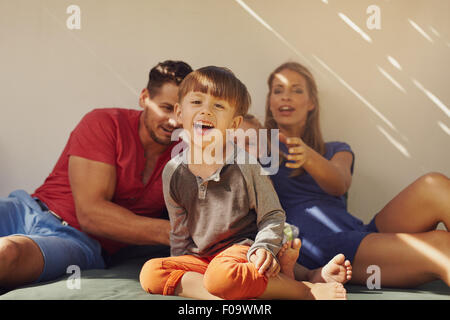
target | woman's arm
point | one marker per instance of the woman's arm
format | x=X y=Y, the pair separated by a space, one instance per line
x=333 y=176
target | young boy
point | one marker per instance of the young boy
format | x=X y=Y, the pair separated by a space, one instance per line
x=226 y=220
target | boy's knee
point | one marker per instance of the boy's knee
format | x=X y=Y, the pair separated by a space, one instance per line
x=227 y=281
x=150 y=276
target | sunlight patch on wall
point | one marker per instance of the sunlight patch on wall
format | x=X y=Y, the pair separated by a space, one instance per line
x=432 y=97
x=389 y=77
x=444 y=127
x=353 y=25
x=356 y=93
x=279 y=36
x=394 y=142
x=420 y=30
x=98 y=58
x=394 y=63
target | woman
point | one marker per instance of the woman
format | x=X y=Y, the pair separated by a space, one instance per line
x=312 y=186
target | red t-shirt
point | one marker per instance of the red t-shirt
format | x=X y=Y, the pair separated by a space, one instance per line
x=110 y=136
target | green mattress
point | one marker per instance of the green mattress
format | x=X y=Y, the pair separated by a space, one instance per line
x=120 y=281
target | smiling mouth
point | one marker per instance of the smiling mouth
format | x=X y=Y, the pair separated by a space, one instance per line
x=285 y=109
x=203 y=127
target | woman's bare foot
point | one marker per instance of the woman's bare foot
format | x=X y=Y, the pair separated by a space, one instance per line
x=288 y=255
x=337 y=270
x=328 y=291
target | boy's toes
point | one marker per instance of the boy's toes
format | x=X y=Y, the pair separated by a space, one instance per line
x=339 y=259
x=296 y=244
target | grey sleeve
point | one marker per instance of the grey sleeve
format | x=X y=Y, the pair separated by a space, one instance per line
x=180 y=239
x=270 y=215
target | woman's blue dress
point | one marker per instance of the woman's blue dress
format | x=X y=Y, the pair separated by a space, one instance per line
x=326 y=227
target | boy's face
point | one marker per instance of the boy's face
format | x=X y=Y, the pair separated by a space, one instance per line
x=204 y=116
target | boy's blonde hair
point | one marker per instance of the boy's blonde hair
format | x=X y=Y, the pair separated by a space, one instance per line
x=220 y=83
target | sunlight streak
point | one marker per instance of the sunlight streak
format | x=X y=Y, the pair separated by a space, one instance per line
x=420 y=30
x=352 y=25
x=394 y=63
x=99 y=59
x=394 y=142
x=389 y=77
x=437 y=34
x=268 y=27
x=433 y=98
x=318 y=214
x=367 y=103
x=444 y=127
x=426 y=249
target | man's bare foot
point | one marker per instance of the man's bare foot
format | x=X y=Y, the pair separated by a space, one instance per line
x=288 y=255
x=337 y=270
x=328 y=291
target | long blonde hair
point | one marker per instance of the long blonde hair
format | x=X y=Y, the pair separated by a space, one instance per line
x=312 y=134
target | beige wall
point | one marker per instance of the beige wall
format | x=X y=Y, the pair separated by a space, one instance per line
x=51 y=76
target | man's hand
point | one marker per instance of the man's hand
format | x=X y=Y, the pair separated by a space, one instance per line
x=265 y=263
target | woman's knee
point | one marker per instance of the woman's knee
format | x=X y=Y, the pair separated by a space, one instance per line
x=150 y=276
x=434 y=180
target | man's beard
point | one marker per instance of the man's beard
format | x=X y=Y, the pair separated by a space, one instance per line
x=152 y=134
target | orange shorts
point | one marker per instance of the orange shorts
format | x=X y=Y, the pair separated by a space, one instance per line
x=227 y=275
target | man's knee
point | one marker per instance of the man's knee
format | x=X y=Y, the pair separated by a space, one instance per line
x=10 y=252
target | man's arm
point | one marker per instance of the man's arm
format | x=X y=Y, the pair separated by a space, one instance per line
x=93 y=184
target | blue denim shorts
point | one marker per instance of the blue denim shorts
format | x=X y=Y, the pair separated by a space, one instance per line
x=61 y=245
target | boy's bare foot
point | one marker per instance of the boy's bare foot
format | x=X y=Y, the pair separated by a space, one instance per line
x=288 y=255
x=328 y=291
x=337 y=270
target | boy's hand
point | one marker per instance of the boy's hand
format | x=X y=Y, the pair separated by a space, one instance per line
x=265 y=263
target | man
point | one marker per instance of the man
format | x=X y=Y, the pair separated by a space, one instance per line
x=104 y=192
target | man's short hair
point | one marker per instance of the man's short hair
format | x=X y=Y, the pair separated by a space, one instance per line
x=169 y=71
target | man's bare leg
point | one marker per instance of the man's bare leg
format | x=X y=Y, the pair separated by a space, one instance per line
x=21 y=261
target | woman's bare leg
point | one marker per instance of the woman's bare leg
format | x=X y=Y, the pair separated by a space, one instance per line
x=419 y=207
x=404 y=259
